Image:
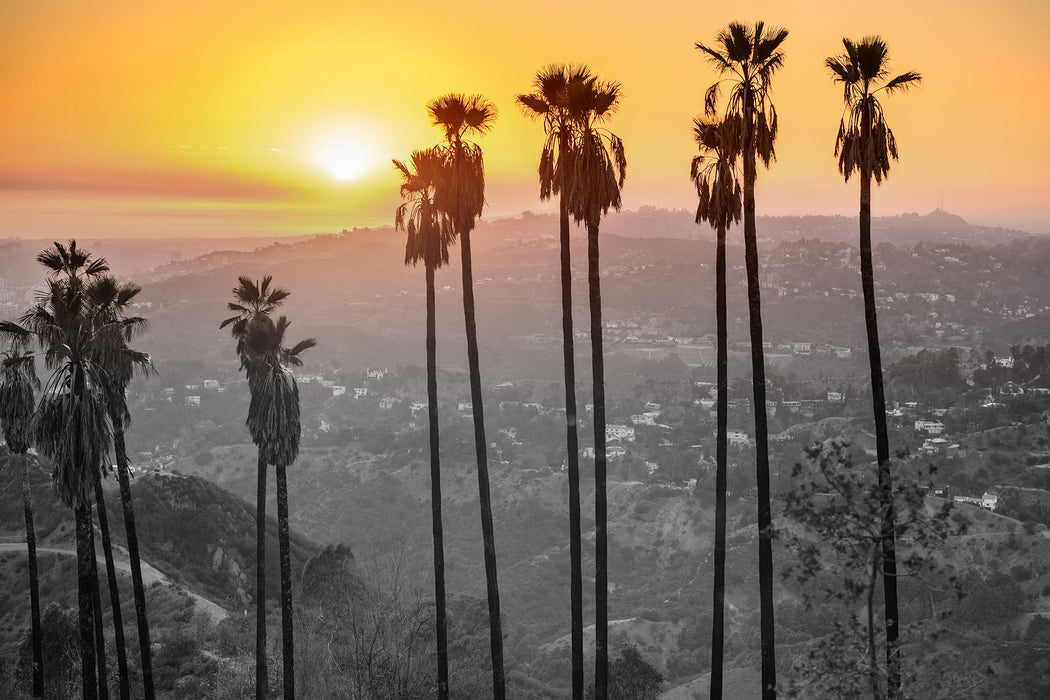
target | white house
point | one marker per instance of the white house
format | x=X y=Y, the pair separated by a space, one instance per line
x=192 y=401
x=930 y=427
x=360 y=391
x=619 y=432
x=211 y=384
x=737 y=437
x=338 y=390
x=989 y=500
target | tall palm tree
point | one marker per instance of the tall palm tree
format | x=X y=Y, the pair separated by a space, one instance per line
x=714 y=174
x=112 y=301
x=17 y=381
x=549 y=101
x=599 y=168
x=429 y=235
x=460 y=196
x=273 y=422
x=71 y=427
x=253 y=302
x=864 y=144
x=749 y=57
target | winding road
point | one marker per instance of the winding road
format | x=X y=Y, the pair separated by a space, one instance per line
x=150 y=575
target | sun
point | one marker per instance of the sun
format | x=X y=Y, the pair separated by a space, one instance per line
x=345 y=158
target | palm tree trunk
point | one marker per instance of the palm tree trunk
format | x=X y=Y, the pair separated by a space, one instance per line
x=601 y=539
x=882 y=441
x=131 y=535
x=114 y=593
x=876 y=691
x=287 y=639
x=435 y=491
x=96 y=606
x=262 y=684
x=86 y=613
x=572 y=444
x=480 y=448
x=721 y=441
x=758 y=372
x=34 y=585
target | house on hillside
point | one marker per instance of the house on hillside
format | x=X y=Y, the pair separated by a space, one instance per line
x=619 y=432
x=989 y=501
x=738 y=438
x=930 y=427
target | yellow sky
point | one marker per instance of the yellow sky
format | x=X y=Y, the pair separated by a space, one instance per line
x=225 y=117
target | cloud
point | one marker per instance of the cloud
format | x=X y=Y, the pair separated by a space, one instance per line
x=171 y=183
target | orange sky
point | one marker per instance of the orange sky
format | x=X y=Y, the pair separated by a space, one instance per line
x=162 y=118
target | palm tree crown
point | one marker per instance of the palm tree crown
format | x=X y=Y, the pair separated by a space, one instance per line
x=462 y=196
x=253 y=300
x=273 y=414
x=750 y=57
x=17 y=381
x=549 y=101
x=862 y=72
x=600 y=163
x=713 y=171
x=429 y=233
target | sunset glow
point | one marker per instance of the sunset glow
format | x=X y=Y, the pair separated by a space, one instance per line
x=112 y=110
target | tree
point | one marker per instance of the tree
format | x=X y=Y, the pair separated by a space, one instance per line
x=17 y=382
x=71 y=424
x=429 y=235
x=273 y=422
x=58 y=627
x=254 y=301
x=718 y=188
x=840 y=559
x=631 y=677
x=599 y=168
x=864 y=145
x=750 y=57
x=113 y=301
x=461 y=198
x=549 y=101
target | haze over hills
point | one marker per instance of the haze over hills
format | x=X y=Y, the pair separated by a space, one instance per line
x=361 y=477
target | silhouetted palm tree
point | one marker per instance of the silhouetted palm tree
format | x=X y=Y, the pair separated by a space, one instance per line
x=750 y=57
x=714 y=174
x=71 y=425
x=461 y=197
x=864 y=144
x=599 y=169
x=549 y=102
x=17 y=381
x=254 y=302
x=429 y=235
x=273 y=422
x=112 y=301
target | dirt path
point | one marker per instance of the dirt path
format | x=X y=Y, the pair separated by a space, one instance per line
x=150 y=575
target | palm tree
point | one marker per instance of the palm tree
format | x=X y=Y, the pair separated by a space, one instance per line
x=17 y=381
x=429 y=236
x=750 y=57
x=548 y=101
x=714 y=174
x=254 y=302
x=273 y=422
x=599 y=168
x=71 y=427
x=864 y=144
x=112 y=301
x=460 y=197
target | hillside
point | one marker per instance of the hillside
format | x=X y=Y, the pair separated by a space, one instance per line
x=197 y=543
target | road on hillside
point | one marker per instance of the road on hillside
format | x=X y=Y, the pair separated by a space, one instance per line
x=150 y=575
